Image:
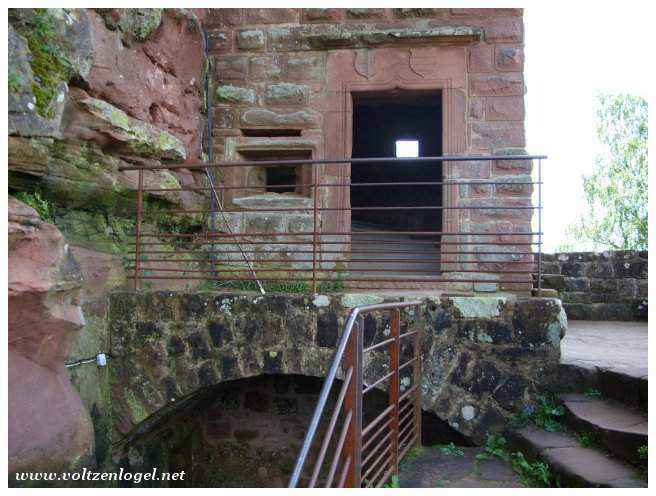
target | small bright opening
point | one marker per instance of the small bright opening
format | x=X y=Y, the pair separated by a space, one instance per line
x=407 y=148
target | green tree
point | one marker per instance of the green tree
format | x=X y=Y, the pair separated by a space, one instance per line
x=616 y=191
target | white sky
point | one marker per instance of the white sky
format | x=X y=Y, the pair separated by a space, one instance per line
x=572 y=53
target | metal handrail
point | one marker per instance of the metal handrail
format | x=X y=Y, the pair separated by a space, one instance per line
x=330 y=379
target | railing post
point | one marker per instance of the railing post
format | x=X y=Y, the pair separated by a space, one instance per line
x=137 y=249
x=353 y=402
x=539 y=226
x=395 y=352
x=315 y=192
x=416 y=379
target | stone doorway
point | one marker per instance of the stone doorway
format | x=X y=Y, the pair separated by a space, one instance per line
x=384 y=124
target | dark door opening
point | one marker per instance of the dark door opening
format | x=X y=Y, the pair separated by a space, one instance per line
x=399 y=123
x=384 y=124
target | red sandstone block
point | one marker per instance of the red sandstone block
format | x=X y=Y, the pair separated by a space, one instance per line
x=477 y=108
x=219 y=41
x=509 y=58
x=224 y=117
x=306 y=68
x=321 y=15
x=480 y=58
x=485 y=135
x=414 y=13
x=487 y=12
x=504 y=30
x=265 y=67
x=511 y=167
x=224 y=17
x=283 y=39
x=270 y=16
x=504 y=108
x=496 y=84
x=470 y=170
x=231 y=67
x=365 y=14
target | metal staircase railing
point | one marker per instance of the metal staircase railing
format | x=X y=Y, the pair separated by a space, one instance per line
x=364 y=456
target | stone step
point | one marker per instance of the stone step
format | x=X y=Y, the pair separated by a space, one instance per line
x=575 y=465
x=608 y=356
x=618 y=428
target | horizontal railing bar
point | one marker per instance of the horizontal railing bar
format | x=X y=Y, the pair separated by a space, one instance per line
x=425 y=280
x=375 y=435
x=358 y=260
x=284 y=269
x=377 y=345
x=336 y=233
x=408 y=363
x=374 y=465
x=379 y=381
x=345 y=160
x=407 y=334
x=331 y=426
x=407 y=436
x=344 y=474
x=338 y=449
x=403 y=431
x=375 y=421
x=384 y=478
x=410 y=391
x=335 y=209
x=408 y=415
x=381 y=471
x=343 y=185
x=402 y=408
x=409 y=445
x=356 y=242
x=347 y=252
x=375 y=449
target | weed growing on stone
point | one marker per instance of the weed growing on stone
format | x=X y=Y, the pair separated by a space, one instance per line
x=532 y=474
x=34 y=200
x=588 y=439
x=592 y=393
x=545 y=414
x=49 y=63
x=642 y=452
x=394 y=482
x=451 y=449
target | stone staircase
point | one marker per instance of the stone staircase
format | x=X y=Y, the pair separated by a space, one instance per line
x=613 y=418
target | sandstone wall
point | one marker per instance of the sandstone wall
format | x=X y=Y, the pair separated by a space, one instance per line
x=292 y=71
x=611 y=285
x=91 y=90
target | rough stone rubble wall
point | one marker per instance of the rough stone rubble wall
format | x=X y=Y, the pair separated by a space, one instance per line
x=483 y=358
x=287 y=69
x=611 y=285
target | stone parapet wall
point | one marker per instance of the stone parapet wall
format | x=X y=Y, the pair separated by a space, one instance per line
x=611 y=285
x=483 y=358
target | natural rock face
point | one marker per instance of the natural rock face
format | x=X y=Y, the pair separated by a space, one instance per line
x=96 y=120
x=49 y=428
x=611 y=285
x=483 y=358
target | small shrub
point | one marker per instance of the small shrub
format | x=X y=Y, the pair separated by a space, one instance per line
x=35 y=201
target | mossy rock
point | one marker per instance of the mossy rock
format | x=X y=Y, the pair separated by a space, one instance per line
x=135 y=25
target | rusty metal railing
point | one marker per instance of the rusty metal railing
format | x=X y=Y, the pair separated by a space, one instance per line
x=364 y=455
x=469 y=227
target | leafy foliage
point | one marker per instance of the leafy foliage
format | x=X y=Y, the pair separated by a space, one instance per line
x=532 y=474
x=35 y=201
x=451 y=449
x=592 y=393
x=616 y=191
x=545 y=414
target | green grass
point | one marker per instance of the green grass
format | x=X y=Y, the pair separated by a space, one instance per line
x=394 y=482
x=588 y=439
